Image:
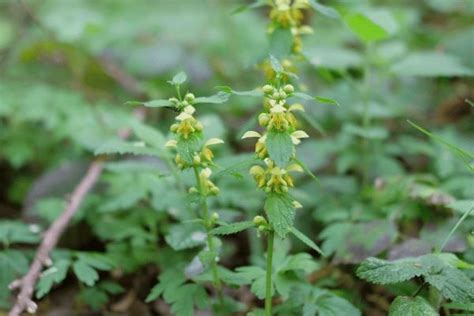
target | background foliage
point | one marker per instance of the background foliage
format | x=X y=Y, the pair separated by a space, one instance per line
x=384 y=188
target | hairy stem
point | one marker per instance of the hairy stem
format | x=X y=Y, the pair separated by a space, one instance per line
x=210 y=242
x=269 y=272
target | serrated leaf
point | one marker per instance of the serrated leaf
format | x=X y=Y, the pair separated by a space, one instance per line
x=366 y=29
x=308 y=242
x=280 y=147
x=281 y=43
x=85 y=273
x=385 y=272
x=280 y=212
x=413 y=306
x=53 y=275
x=178 y=79
x=324 y=10
x=327 y=101
x=187 y=148
x=232 y=228
x=435 y=269
x=220 y=97
x=123 y=147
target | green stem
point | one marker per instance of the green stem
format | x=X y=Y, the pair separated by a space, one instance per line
x=445 y=242
x=269 y=272
x=210 y=242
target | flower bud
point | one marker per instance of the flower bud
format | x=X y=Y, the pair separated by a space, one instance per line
x=259 y=220
x=196 y=160
x=214 y=216
x=215 y=190
x=193 y=190
x=267 y=89
x=289 y=88
x=174 y=127
x=283 y=94
x=263 y=119
x=184 y=103
x=189 y=97
x=174 y=101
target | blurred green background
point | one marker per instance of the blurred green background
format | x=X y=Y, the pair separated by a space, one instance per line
x=68 y=66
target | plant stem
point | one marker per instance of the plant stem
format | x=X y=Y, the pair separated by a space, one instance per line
x=269 y=272
x=445 y=242
x=366 y=118
x=210 y=242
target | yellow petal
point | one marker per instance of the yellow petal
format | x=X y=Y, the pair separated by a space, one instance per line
x=296 y=107
x=184 y=116
x=294 y=167
x=256 y=170
x=189 y=109
x=299 y=134
x=251 y=134
x=214 y=141
x=297 y=204
x=171 y=143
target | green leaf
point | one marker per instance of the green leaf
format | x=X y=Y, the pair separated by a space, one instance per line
x=53 y=275
x=434 y=268
x=281 y=43
x=85 y=273
x=149 y=135
x=98 y=261
x=250 y=93
x=327 y=101
x=184 y=236
x=431 y=64
x=308 y=242
x=160 y=103
x=123 y=147
x=94 y=297
x=280 y=212
x=466 y=157
x=280 y=147
x=187 y=148
x=324 y=10
x=220 y=97
x=366 y=29
x=178 y=79
x=254 y=5
x=181 y=296
x=413 y=306
x=232 y=228
x=324 y=303
x=16 y=232
x=386 y=272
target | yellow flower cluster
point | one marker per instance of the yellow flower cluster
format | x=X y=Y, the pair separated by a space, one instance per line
x=276 y=117
x=289 y=14
x=274 y=178
x=187 y=127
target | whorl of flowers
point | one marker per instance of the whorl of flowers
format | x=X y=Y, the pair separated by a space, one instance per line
x=277 y=116
x=188 y=132
x=289 y=14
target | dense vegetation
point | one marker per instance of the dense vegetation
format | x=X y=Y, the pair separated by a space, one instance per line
x=274 y=157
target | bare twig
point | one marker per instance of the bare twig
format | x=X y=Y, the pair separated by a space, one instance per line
x=50 y=240
x=26 y=284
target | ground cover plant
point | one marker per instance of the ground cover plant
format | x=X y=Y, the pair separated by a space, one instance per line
x=270 y=157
